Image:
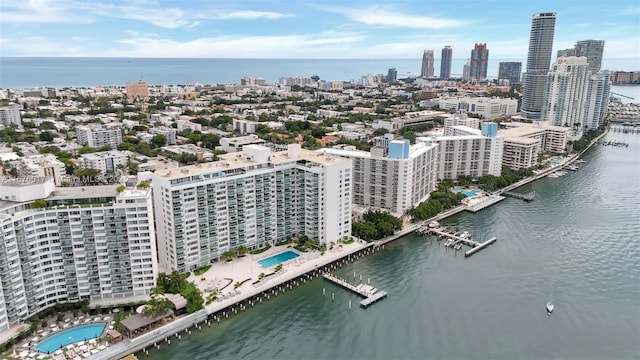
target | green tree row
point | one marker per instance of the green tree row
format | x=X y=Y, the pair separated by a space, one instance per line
x=376 y=225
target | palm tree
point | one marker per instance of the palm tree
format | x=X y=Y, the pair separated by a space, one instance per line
x=242 y=250
x=228 y=255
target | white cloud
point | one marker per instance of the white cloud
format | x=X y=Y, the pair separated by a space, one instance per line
x=44 y=11
x=385 y=16
x=247 y=15
x=304 y=46
x=69 y=11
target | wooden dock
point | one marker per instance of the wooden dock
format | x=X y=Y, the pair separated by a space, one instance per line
x=526 y=197
x=370 y=293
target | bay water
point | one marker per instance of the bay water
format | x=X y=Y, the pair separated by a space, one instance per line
x=577 y=244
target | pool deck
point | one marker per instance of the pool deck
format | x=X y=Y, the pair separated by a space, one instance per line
x=239 y=269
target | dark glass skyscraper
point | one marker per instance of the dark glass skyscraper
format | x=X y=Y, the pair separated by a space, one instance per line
x=510 y=71
x=538 y=63
x=479 y=61
x=591 y=49
x=445 y=62
x=392 y=75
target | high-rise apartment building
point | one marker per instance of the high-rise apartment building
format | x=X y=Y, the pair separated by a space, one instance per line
x=566 y=92
x=538 y=63
x=252 y=199
x=471 y=152
x=575 y=97
x=510 y=71
x=445 y=62
x=597 y=100
x=68 y=251
x=591 y=49
x=466 y=71
x=427 y=64
x=393 y=176
x=392 y=75
x=479 y=62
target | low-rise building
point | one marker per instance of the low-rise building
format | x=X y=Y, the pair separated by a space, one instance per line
x=237 y=143
x=10 y=115
x=43 y=165
x=106 y=162
x=487 y=108
x=201 y=154
x=169 y=133
x=97 y=136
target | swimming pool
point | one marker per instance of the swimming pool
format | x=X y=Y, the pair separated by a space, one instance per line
x=554 y=163
x=69 y=336
x=467 y=193
x=470 y=193
x=278 y=258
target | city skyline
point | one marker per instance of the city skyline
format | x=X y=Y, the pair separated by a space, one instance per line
x=277 y=29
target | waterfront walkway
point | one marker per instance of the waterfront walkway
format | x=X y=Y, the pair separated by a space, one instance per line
x=292 y=270
x=237 y=270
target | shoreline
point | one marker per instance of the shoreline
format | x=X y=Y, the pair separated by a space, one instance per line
x=312 y=268
x=205 y=316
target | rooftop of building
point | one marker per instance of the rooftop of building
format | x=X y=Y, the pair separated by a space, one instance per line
x=104 y=154
x=239 y=160
x=79 y=192
x=515 y=129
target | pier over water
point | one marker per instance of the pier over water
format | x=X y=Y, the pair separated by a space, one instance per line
x=455 y=238
x=370 y=293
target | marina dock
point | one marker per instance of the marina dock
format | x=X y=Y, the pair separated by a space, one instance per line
x=455 y=238
x=480 y=247
x=526 y=197
x=370 y=293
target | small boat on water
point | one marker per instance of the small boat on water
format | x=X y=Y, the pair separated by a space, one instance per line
x=550 y=307
x=572 y=168
x=458 y=246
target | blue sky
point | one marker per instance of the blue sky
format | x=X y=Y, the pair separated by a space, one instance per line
x=306 y=29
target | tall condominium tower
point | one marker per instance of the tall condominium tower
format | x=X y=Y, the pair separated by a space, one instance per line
x=538 y=62
x=592 y=50
x=253 y=199
x=427 y=64
x=574 y=96
x=597 y=100
x=392 y=75
x=445 y=62
x=94 y=242
x=510 y=71
x=566 y=92
x=479 y=60
x=466 y=71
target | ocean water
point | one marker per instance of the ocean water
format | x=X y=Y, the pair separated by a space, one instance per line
x=577 y=244
x=22 y=72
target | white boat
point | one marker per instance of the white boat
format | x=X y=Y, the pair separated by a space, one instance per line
x=550 y=307
x=458 y=246
x=572 y=168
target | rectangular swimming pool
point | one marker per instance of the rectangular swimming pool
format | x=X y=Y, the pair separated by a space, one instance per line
x=69 y=336
x=278 y=258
